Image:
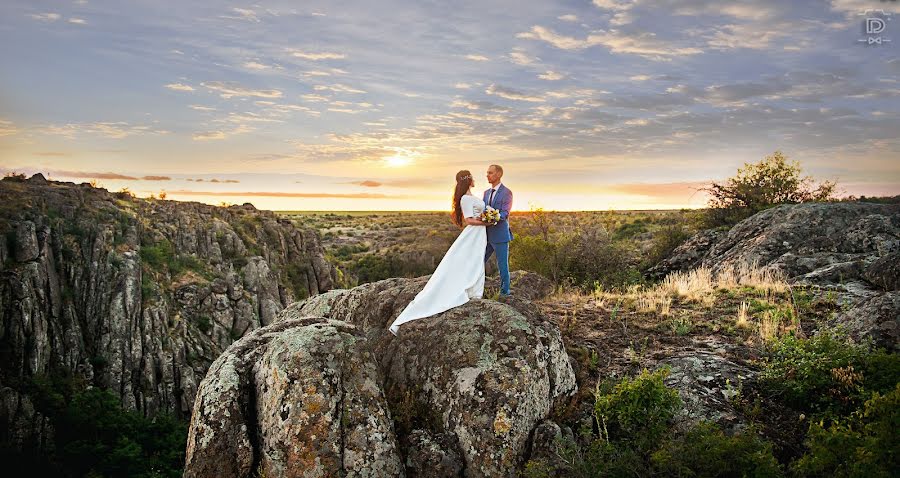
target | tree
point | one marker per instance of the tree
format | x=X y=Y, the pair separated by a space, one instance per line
x=759 y=186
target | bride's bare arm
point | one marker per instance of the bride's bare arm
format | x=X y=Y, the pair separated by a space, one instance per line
x=474 y=221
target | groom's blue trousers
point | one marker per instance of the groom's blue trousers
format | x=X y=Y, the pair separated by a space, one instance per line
x=502 y=250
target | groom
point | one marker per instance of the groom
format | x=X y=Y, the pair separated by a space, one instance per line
x=500 y=198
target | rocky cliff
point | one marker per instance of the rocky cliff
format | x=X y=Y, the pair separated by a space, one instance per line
x=137 y=296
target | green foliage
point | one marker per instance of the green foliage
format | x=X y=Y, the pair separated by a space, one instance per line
x=759 y=186
x=94 y=436
x=375 y=267
x=297 y=277
x=637 y=410
x=161 y=256
x=345 y=252
x=157 y=255
x=866 y=444
x=706 y=451
x=826 y=374
x=14 y=177
x=204 y=323
x=664 y=242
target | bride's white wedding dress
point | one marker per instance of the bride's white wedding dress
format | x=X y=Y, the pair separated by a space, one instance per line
x=460 y=275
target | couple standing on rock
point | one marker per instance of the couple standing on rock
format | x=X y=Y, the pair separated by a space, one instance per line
x=460 y=275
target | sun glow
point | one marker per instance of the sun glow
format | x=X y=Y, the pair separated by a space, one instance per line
x=397 y=160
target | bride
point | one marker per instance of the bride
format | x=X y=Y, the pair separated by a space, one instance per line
x=460 y=275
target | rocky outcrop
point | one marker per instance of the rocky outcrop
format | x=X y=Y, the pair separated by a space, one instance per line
x=849 y=247
x=300 y=398
x=465 y=388
x=136 y=296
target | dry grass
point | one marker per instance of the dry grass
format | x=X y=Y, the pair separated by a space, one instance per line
x=743 y=315
x=769 y=326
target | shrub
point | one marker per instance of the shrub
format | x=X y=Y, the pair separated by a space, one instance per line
x=706 y=451
x=826 y=374
x=759 y=186
x=664 y=242
x=637 y=410
x=866 y=444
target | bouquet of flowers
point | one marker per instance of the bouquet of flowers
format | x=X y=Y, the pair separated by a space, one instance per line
x=490 y=216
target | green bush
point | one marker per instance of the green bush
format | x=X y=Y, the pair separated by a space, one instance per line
x=827 y=375
x=638 y=410
x=706 y=451
x=759 y=186
x=94 y=436
x=866 y=444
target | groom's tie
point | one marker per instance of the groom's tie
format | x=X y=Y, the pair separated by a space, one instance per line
x=491 y=199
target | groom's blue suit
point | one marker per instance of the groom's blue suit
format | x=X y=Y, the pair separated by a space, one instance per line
x=498 y=236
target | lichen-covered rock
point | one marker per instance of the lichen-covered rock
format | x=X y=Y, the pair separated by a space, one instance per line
x=299 y=398
x=797 y=239
x=876 y=318
x=885 y=272
x=485 y=372
x=706 y=382
x=688 y=255
x=545 y=440
x=522 y=284
x=432 y=456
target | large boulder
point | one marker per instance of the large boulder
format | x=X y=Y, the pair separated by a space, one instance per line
x=465 y=387
x=302 y=398
x=885 y=272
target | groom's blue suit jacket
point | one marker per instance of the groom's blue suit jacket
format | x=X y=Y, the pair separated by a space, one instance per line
x=502 y=202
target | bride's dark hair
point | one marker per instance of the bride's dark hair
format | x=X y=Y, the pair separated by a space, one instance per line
x=463 y=183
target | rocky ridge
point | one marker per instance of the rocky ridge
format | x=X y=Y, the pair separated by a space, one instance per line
x=136 y=296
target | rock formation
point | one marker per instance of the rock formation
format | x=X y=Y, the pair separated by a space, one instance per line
x=136 y=296
x=849 y=247
x=465 y=388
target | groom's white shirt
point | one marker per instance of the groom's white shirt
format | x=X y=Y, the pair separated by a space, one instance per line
x=490 y=199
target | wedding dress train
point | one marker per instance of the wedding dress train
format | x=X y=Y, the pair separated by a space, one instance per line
x=460 y=275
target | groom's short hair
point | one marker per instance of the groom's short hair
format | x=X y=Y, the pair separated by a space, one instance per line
x=498 y=168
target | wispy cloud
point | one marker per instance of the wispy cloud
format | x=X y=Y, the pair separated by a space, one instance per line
x=45 y=17
x=511 y=94
x=113 y=130
x=230 y=90
x=185 y=192
x=644 y=44
x=338 y=88
x=7 y=128
x=316 y=56
x=477 y=58
x=367 y=183
x=179 y=87
x=550 y=75
x=105 y=175
x=78 y=21
x=568 y=18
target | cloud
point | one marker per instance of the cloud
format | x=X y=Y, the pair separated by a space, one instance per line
x=511 y=94
x=230 y=90
x=519 y=57
x=114 y=130
x=671 y=190
x=156 y=178
x=214 y=180
x=179 y=87
x=477 y=58
x=462 y=86
x=201 y=108
x=246 y=14
x=367 y=183
x=45 y=17
x=208 y=135
x=54 y=154
x=551 y=76
x=78 y=21
x=288 y=194
x=7 y=128
x=252 y=65
x=644 y=44
x=568 y=18
x=318 y=56
x=338 y=88
x=93 y=175
x=640 y=77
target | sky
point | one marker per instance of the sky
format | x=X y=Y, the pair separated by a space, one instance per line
x=289 y=105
